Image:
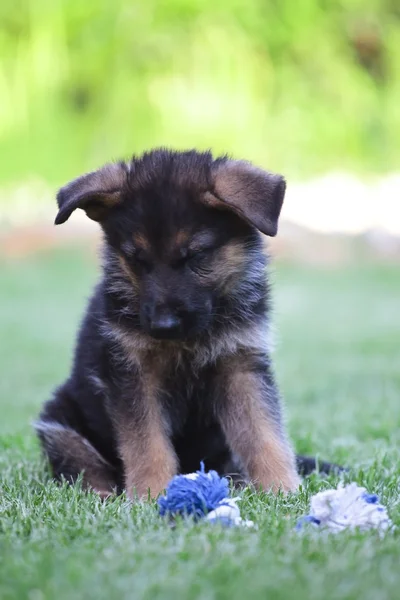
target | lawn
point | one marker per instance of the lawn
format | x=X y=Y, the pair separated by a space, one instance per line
x=338 y=363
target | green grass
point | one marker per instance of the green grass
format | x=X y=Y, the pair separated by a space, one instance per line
x=338 y=358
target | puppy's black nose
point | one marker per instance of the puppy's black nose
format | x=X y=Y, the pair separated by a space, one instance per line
x=165 y=326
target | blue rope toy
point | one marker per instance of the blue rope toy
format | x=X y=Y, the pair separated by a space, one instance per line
x=201 y=495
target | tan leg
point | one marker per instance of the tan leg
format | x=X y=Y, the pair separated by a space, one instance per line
x=147 y=453
x=253 y=432
x=149 y=461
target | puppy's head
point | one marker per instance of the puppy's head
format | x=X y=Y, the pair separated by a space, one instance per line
x=184 y=229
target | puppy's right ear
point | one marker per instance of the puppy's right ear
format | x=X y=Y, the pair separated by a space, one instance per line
x=95 y=193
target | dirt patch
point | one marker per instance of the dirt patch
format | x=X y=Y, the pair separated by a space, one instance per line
x=24 y=241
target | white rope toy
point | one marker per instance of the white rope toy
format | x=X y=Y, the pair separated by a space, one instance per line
x=347 y=507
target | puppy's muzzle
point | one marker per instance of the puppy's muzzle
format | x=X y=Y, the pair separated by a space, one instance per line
x=163 y=322
x=165 y=326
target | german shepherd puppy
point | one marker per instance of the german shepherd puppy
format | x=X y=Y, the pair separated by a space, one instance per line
x=172 y=362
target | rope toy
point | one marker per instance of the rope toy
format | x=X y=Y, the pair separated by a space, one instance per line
x=203 y=496
x=347 y=507
x=206 y=496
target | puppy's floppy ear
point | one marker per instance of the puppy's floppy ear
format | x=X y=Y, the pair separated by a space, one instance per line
x=94 y=192
x=253 y=194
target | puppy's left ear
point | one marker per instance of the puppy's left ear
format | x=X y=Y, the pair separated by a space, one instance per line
x=253 y=194
x=95 y=193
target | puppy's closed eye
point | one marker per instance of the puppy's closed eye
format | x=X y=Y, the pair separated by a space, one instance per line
x=189 y=256
x=199 y=260
x=136 y=256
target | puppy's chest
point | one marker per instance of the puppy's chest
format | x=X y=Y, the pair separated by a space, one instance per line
x=188 y=399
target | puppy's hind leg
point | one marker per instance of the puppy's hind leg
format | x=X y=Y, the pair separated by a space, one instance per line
x=71 y=455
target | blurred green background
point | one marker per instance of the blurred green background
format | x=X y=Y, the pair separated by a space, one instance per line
x=302 y=86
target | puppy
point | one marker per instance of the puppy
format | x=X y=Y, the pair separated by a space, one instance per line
x=172 y=361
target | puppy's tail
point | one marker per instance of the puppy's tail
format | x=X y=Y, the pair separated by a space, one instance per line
x=310 y=464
